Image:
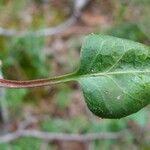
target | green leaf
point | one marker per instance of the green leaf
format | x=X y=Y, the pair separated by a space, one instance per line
x=114 y=75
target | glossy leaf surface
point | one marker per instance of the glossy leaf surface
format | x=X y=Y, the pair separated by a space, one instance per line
x=114 y=75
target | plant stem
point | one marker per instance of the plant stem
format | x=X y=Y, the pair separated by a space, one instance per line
x=37 y=83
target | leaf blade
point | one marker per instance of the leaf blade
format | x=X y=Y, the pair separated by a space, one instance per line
x=124 y=67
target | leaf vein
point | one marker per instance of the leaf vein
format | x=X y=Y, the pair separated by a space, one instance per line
x=104 y=99
x=121 y=88
x=118 y=59
x=90 y=65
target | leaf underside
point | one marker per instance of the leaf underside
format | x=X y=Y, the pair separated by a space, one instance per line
x=114 y=75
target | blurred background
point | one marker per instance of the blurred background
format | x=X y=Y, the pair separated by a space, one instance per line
x=41 y=38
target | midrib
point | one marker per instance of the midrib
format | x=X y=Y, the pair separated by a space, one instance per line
x=115 y=73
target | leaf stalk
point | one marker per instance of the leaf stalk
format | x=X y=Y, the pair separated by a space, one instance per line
x=37 y=83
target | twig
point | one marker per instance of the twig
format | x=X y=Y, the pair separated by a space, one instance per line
x=3 y=103
x=43 y=32
x=4 y=109
x=78 y=6
x=61 y=136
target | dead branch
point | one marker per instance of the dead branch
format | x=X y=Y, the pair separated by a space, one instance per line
x=43 y=32
x=78 y=6
x=61 y=136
